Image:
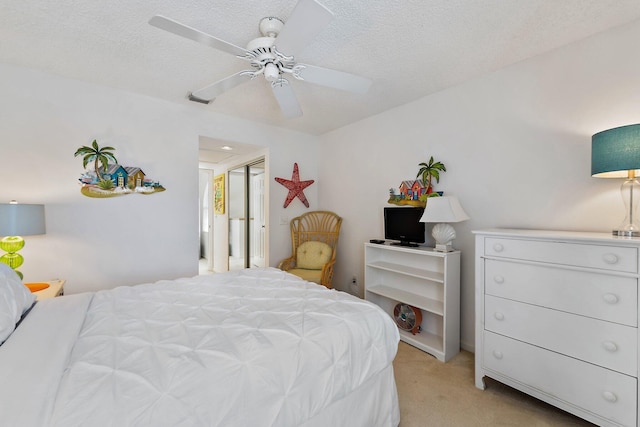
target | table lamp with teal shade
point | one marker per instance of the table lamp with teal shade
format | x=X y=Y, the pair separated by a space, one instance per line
x=615 y=153
x=17 y=220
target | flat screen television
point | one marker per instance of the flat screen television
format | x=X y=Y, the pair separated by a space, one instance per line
x=403 y=225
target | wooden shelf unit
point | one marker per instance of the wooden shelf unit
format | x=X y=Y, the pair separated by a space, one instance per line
x=422 y=278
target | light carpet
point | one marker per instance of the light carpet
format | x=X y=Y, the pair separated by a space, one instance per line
x=433 y=393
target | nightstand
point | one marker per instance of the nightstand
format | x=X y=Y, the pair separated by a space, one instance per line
x=55 y=289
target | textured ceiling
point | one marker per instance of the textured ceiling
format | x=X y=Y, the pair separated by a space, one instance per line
x=409 y=48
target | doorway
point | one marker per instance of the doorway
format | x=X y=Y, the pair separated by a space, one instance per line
x=247 y=225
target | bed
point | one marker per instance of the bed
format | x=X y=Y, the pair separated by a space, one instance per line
x=256 y=347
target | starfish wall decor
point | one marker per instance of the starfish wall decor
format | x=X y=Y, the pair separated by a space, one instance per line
x=295 y=187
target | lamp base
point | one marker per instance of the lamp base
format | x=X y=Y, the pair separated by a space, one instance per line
x=446 y=247
x=443 y=234
x=626 y=233
x=629 y=190
x=11 y=245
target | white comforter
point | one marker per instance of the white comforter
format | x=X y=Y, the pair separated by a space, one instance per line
x=250 y=348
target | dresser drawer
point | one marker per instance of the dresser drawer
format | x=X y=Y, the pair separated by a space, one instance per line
x=606 y=344
x=589 y=387
x=598 y=295
x=613 y=258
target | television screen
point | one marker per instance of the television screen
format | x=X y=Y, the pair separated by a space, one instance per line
x=403 y=225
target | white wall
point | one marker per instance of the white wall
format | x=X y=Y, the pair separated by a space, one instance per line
x=102 y=243
x=280 y=165
x=516 y=144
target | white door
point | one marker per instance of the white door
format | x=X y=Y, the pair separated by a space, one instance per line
x=247 y=216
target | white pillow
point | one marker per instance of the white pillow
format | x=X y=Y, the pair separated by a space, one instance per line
x=15 y=300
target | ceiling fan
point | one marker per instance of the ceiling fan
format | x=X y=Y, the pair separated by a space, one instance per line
x=273 y=56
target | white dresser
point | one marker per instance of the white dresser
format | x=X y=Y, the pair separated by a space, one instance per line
x=557 y=318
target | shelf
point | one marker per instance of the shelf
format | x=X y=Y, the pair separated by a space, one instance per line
x=408 y=271
x=425 y=341
x=425 y=279
x=424 y=303
x=419 y=250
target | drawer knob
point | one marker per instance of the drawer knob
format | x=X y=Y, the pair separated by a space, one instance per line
x=499 y=279
x=497 y=354
x=610 y=298
x=498 y=315
x=609 y=396
x=610 y=346
x=498 y=247
x=610 y=258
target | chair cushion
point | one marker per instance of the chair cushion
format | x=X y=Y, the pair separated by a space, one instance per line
x=313 y=255
x=309 y=275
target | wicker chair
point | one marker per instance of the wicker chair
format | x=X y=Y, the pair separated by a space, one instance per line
x=314 y=239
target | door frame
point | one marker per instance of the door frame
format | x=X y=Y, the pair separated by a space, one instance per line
x=210 y=232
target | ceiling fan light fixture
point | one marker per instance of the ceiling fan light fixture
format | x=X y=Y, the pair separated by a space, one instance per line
x=270 y=26
x=271 y=72
x=259 y=45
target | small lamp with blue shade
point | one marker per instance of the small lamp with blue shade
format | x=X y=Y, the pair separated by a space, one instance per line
x=615 y=153
x=17 y=220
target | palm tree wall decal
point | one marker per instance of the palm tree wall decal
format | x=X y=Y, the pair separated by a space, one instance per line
x=430 y=170
x=97 y=155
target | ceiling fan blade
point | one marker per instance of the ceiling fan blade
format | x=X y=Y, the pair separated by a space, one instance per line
x=333 y=78
x=307 y=20
x=182 y=30
x=207 y=93
x=283 y=92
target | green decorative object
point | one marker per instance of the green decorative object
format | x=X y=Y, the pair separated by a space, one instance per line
x=18 y=220
x=13 y=260
x=12 y=244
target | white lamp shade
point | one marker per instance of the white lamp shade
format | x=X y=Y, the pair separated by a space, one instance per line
x=21 y=220
x=443 y=209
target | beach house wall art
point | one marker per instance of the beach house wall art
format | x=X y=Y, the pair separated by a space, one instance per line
x=104 y=177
